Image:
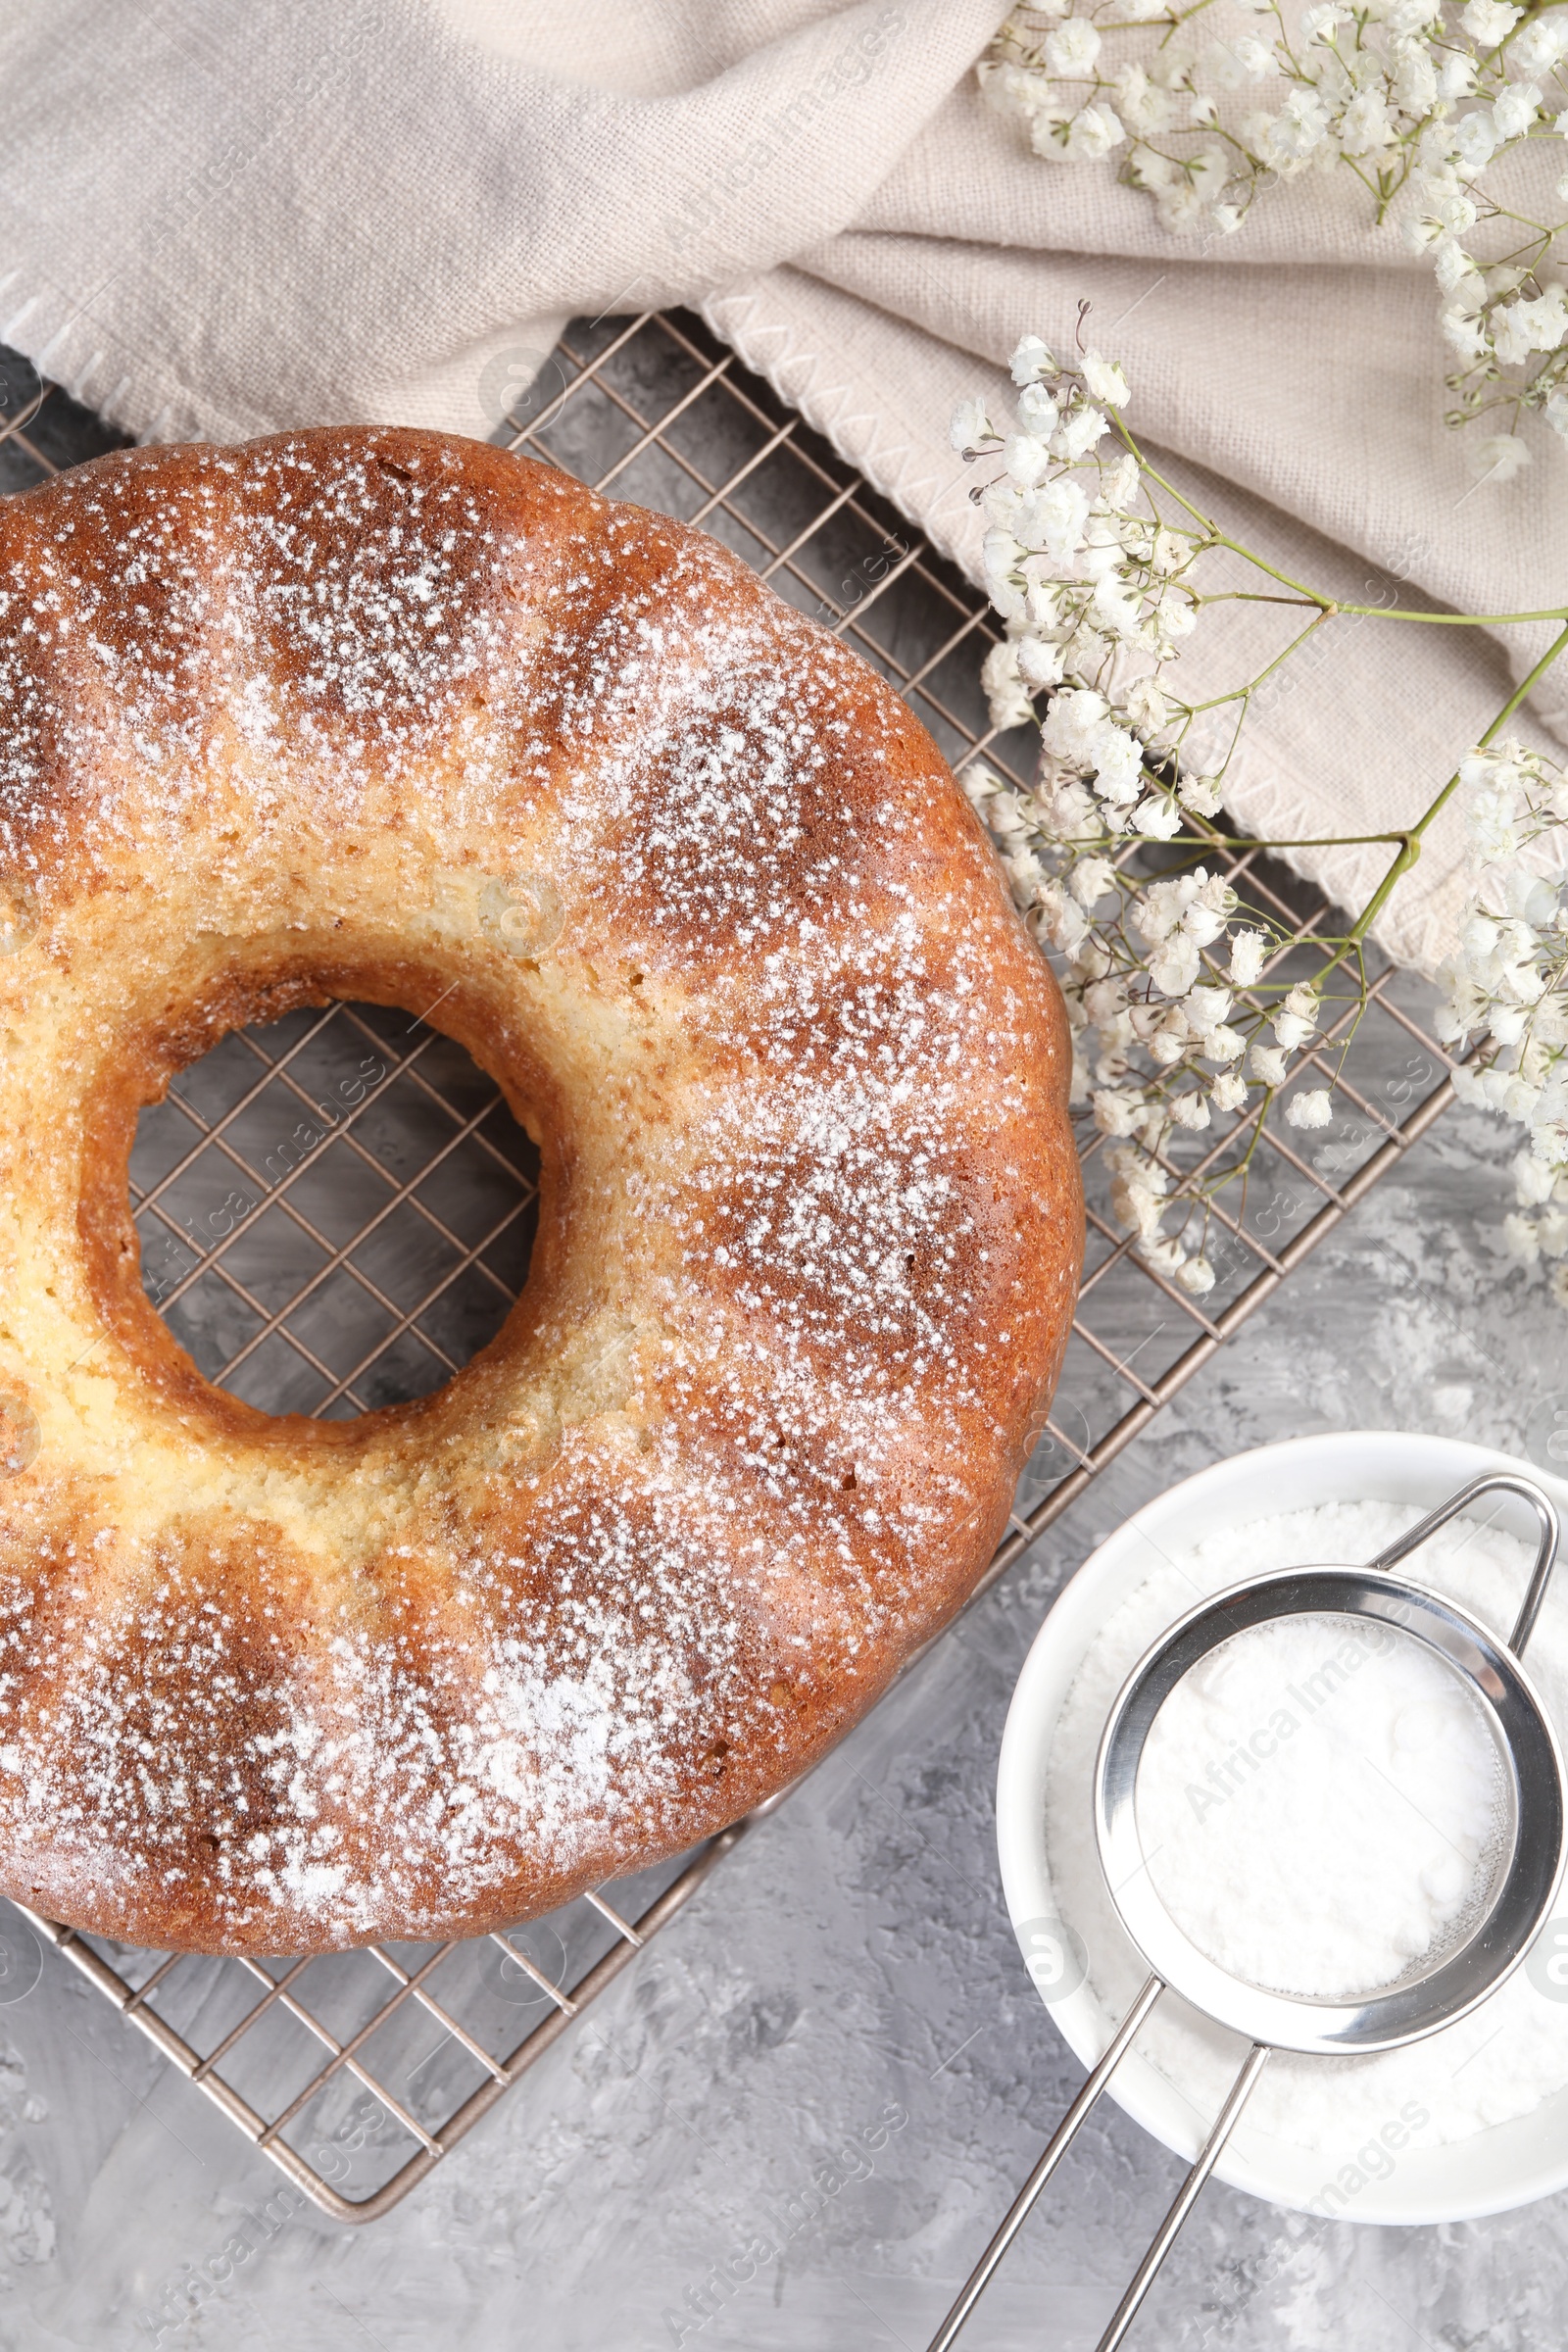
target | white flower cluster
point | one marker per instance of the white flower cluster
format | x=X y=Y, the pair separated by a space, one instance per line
x=1095 y=591
x=1507 y=986
x=1172 y=1013
x=1418 y=98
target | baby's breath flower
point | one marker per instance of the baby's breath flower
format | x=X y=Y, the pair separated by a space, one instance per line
x=1498 y=456
x=1092 y=879
x=1474 y=142
x=1468 y=337
x=1136 y=1194
x=1541 y=46
x=1116 y=1113
x=1031 y=361
x=1105 y=380
x=1040 y=664
x=1455 y=270
x=1551 y=1232
x=1515 y=110
x=1419 y=98
x=1174 y=964
x=1196 y=1276
x=1297 y=1018
x=1096 y=577
x=1072 y=48
x=1488 y=20
x=1027 y=458
x=1507 y=983
x=1199 y=794
x=1092 y=134
x=1249 y=954
x=970 y=425
x=1156 y=818
x=1206 y=1008
x=1519 y=1238
x=1533 y=1181
x=1009 y=700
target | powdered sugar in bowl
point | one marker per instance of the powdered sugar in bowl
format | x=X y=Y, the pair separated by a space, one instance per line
x=1472 y=2120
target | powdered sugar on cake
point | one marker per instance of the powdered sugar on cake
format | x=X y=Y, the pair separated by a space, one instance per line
x=294 y=710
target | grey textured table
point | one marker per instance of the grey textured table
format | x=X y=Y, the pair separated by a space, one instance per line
x=846 y=1975
x=793 y=2121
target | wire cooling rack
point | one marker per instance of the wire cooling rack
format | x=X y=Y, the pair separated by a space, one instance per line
x=337 y=1210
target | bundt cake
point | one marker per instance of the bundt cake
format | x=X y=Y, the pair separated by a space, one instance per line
x=386 y=716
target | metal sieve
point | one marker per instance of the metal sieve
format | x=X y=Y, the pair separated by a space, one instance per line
x=1523 y=1886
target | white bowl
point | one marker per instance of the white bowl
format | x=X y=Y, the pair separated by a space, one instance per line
x=1495 y=2169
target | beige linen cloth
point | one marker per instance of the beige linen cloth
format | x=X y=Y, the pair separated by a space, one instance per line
x=222 y=217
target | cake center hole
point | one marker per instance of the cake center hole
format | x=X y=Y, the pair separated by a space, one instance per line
x=1324 y=1806
x=337 y=1210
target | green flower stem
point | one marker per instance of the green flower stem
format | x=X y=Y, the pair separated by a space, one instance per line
x=1245 y=694
x=1410 y=839
x=1313 y=841
x=1410 y=847
x=1242 y=1166
x=1455 y=620
x=1307 y=595
x=1406 y=840
x=1252 y=595
x=1327 y=605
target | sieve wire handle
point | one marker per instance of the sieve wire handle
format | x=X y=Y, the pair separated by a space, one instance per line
x=1164 y=2237
x=1056 y=2147
x=1494 y=1482
x=1060 y=2141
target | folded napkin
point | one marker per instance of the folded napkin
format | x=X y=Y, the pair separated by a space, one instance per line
x=223 y=217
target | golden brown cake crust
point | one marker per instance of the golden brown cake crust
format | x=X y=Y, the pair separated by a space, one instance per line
x=389 y=716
